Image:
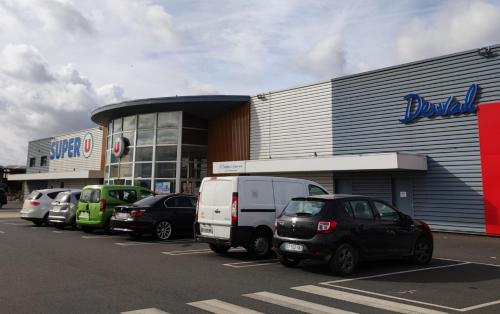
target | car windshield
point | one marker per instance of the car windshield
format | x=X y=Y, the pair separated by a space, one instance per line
x=304 y=208
x=62 y=197
x=149 y=201
x=90 y=196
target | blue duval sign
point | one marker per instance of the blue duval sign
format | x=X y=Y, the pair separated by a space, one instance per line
x=417 y=107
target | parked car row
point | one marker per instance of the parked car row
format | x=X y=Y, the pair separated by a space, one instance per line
x=295 y=218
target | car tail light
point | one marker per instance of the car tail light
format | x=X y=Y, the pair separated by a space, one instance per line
x=34 y=203
x=326 y=227
x=234 y=209
x=102 y=205
x=426 y=226
x=197 y=207
x=136 y=213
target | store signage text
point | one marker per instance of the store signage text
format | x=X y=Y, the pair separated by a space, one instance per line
x=72 y=147
x=417 y=107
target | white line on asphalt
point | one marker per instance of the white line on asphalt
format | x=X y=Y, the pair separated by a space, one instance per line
x=2 y=231
x=365 y=300
x=393 y=273
x=461 y=261
x=475 y=307
x=295 y=304
x=221 y=307
x=99 y=237
x=57 y=231
x=134 y=243
x=15 y=224
x=251 y=264
x=151 y=310
x=187 y=252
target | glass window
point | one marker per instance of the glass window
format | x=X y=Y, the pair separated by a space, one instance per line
x=129 y=123
x=34 y=196
x=43 y=161
x=110 y=126
x=114 y=171
x=145 y=137
x=144 y=154
x=361 y=209
x=146 y=121
x=304 y=208
x=166 y=136
x=316 y=190
x=166 y=153
x=106 y=171
x=346 y=206
x=179 y=202
x=90 y=196
x=143 y=170
x=113 y=158
x=164 y=186
x=144 y=183
x=165 y=170
x=32 y=162
x=117 y=125
x=129 y=138
x=386 y=212
x=129 y=157
x=63 y=197
x=146 y=194
x=109 y=142
x=126 y=170
x=168 y=119
x=129 y=196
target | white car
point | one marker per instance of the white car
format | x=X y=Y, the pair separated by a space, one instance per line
x=241 y=211
x=37 y=205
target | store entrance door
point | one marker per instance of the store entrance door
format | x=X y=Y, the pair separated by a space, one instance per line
x=402 y=195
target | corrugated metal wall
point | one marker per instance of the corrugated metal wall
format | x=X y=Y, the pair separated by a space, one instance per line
x=37 y=149
x=292 y=123
x=323 y=178
x=366 y=110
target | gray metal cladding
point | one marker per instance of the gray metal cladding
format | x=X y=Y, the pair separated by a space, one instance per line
x=366 y=109
x=292 y=123
x=37 y=149
x=323 y=178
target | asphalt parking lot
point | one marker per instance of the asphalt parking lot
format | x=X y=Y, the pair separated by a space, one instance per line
x=46 y=270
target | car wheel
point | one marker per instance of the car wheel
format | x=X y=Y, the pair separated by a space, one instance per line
x=289 y=261
x=45 y=219
x=422 y=252
x=260 y=245
x=219 y=248
x=344 y=259
x=87 y=229
x=163 y=230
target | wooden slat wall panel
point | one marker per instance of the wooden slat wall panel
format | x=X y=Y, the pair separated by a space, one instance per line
x=229 y=136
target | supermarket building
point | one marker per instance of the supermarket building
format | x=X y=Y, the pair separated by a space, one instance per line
x=422 y=135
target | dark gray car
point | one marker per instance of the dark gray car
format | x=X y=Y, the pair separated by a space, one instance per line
x=63 y=211
x=3 y=198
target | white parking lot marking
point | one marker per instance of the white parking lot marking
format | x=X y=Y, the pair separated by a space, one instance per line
x=2 y=231
x=134 y=243
x=462 y=261
x=57 y=231
x=14 y=223
x=295 y=304
x=393 y=273
x=151 y=310
x=221 y=307
x=196 y=251
x=366 y=300
x=251 y=264
x=99 y=237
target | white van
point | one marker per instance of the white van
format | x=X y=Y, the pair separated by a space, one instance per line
x=241 y=210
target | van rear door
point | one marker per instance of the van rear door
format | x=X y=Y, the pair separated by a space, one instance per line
x=214 y=213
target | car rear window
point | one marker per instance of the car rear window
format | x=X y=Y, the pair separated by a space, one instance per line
x=90 y=196
x=34 y=196
x=304 y=208
x=63 y=197
x=149 y=201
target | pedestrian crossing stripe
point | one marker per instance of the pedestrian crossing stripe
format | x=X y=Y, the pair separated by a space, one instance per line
x=221 y=307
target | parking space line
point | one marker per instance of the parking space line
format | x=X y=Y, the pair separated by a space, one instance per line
x=15 y=223
x=462 y=261
x=57 y=231
x=187 y=252
x=475 y=307
x=221 y=307
x=99 y=237
x=251 y=264
x=151 y=310
x=295 y=304
x=2 y=231
x=135 y=243
x=393 y=273
x=366 y=300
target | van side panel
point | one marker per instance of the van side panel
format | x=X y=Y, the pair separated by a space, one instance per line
x=284 y=191
x=256 y=202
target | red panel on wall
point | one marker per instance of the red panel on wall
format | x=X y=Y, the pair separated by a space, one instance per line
x=489 y=139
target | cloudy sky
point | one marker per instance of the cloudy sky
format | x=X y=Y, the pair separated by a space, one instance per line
x=59 y=59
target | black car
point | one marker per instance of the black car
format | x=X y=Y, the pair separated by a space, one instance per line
x=342 y=229
x=3 y=198
x=159 y=215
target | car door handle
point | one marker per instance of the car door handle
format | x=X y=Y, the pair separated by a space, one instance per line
x=217 y=211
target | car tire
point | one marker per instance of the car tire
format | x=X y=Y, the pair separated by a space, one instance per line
x=260 y=245
x=422 y=251
x=87 y=229
x=289 y=261
x=344 y=260
x=219 y=248
x=163 y=230
x=45 y=220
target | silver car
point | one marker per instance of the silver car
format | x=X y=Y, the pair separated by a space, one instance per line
x=63 y=211
x=37 y=205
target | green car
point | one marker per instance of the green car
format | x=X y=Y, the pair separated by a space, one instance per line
x=97 y=202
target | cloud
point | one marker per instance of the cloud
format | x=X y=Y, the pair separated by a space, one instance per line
x=457 y=26
x=327 y=58
x=36 y=102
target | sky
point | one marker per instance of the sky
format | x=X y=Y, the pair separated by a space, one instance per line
x=60 y=59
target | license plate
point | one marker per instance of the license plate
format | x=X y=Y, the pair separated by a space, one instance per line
x=206 y=229
x=83 y=215
x=294 y=247
x=122 y=215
